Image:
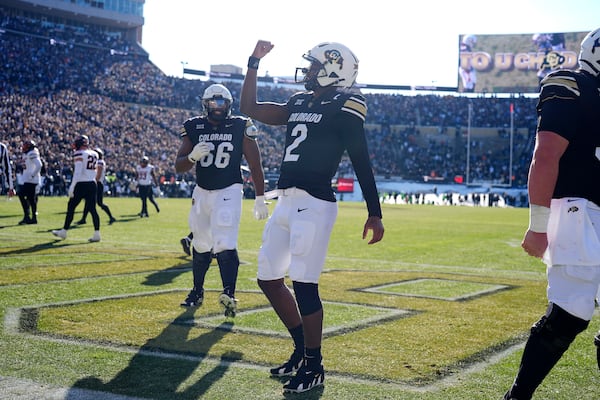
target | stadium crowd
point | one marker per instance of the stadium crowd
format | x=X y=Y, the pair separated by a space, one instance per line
x=59 y=81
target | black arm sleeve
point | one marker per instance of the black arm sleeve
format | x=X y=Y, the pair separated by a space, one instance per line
x=356 y=145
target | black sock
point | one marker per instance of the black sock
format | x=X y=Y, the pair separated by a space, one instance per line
x=313 y=358
x=297 y=334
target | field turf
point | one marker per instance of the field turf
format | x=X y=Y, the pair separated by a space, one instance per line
x=439 y=310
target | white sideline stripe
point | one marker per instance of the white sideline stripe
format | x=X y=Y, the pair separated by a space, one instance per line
x=453 y=378
x=24 y=389
x=444 y=382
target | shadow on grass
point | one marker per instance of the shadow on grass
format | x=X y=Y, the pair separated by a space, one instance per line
x=9 y=216
x=159 y=375
x=313 y=394
x=128 y=218
x=168 y=275
x=53 y=244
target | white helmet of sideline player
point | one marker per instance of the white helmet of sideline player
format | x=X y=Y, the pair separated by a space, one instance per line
x=469 y=40
x=589 y=55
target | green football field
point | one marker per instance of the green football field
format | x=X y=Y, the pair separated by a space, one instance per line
x=438 y=310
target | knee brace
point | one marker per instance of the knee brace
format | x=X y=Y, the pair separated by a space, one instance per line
x=307 y=297
x=229 y=264
x=557 y=329
x=550 y=337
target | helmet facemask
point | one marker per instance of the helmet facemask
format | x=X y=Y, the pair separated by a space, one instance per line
x=217 y=108
x=311 y=71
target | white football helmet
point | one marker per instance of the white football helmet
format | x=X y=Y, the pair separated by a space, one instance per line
x=331 y=64
x=469 y=40
x=217 y=101
x=589 y=55
x=540 y=38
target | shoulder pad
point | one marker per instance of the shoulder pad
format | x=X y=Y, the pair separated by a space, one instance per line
x=192 y=120
x=562 y=83
x=189 y=125
x=356 y=105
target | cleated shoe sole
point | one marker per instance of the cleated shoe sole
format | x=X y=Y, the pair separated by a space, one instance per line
x=304 y=380
x=229 y=305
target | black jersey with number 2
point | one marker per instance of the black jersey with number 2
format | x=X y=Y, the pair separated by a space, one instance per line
x=319 y=130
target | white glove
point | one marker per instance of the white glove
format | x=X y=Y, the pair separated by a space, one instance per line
x=260 y=208
x=199 y=151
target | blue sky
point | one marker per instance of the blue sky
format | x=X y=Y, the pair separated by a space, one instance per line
x=397 y=42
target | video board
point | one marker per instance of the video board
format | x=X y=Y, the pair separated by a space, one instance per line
x=514 y=63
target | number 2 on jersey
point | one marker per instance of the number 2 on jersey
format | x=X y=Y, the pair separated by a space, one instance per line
x=300 y=131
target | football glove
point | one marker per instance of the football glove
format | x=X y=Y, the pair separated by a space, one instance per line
x=261 y=211
x=200 y=150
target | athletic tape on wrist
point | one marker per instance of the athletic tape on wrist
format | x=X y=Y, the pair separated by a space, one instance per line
x=538 y=218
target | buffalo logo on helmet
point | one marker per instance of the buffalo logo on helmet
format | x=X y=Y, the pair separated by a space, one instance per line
x=334 y=57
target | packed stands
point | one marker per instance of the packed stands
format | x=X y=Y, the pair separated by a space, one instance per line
x=59 y=81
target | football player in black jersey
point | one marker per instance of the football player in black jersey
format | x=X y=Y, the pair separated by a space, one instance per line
x=214 y=143
x=564 y=224
x=322 y=122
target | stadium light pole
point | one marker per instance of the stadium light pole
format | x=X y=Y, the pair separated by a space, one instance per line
x=512 y=132
x=470 y=110
x=183 y=64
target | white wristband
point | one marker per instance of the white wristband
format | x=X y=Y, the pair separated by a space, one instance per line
x=538 y=218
